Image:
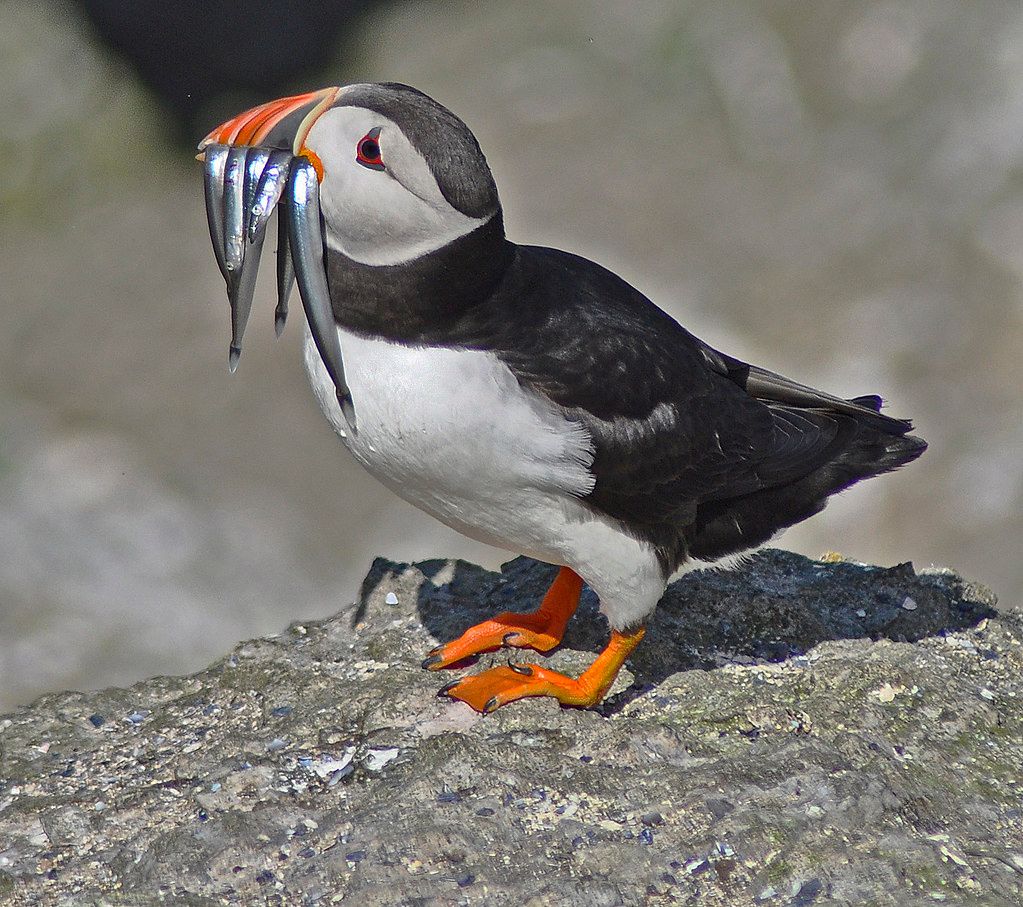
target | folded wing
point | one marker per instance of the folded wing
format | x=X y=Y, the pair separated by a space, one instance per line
x=696 y=451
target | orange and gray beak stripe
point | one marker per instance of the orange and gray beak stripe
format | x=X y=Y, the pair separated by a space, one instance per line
x=280 y=124
x=250 y=163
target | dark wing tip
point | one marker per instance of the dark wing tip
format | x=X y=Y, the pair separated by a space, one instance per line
x=870 y=401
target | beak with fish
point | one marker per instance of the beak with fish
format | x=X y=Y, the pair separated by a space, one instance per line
x=253 y=163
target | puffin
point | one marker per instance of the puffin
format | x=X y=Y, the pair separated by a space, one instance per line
x=525 y=396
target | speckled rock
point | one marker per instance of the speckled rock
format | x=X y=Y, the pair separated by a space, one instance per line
x=794 y=733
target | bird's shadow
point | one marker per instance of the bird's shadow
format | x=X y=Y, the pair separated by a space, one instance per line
x=775 y=607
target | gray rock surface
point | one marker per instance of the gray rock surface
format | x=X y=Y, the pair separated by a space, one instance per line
x=793 y=733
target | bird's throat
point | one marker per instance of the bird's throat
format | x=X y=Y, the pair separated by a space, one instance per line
x=425 y=299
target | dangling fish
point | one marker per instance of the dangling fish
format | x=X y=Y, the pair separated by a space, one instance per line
x=251 y=164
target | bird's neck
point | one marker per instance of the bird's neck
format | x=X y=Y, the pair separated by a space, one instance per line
x=417 y=301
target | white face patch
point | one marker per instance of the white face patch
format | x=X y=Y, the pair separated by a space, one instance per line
x=380 y=217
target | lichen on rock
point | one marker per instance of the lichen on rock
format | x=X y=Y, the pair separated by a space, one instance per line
x=789 y=733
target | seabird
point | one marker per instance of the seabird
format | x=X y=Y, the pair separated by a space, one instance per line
x=525 y=396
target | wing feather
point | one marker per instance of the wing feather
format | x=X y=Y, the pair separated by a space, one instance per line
x=675 y=424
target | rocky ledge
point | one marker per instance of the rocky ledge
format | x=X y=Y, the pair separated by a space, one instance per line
x=796 y=732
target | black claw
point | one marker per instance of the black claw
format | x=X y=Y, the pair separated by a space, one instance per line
x=524 y=670
x=447 y=688
x=431 y=660
x=490 y=705
x=508 y=637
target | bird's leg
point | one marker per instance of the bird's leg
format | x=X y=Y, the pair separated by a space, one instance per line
x=541 y=629
x=496 y=687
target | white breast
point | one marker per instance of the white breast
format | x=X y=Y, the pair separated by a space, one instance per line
x=455 y=434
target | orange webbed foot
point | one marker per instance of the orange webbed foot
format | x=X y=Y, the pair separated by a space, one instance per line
x=540 y=630
x=498 y=686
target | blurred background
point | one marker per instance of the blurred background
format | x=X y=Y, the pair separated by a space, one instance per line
x=834 y=191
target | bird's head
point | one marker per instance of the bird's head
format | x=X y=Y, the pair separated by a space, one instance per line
x=381 y=173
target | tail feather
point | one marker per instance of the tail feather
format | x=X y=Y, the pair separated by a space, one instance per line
x=870 y=401
x=865 y=449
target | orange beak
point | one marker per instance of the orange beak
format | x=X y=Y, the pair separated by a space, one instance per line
x=280 y=124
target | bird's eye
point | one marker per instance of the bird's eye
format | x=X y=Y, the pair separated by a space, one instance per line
x=368 y=151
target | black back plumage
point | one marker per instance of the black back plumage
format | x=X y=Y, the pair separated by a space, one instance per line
x=696 y=452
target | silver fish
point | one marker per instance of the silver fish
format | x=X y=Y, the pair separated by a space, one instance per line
x=285 y=273
x=240 y=295
x=214 y=162
x=234 y=213
x=271 y=184
x=306 y=240
x=255 y=163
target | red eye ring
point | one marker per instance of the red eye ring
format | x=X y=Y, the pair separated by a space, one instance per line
x=367 y=152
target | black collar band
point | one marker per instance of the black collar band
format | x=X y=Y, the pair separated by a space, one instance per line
x=419 y=299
